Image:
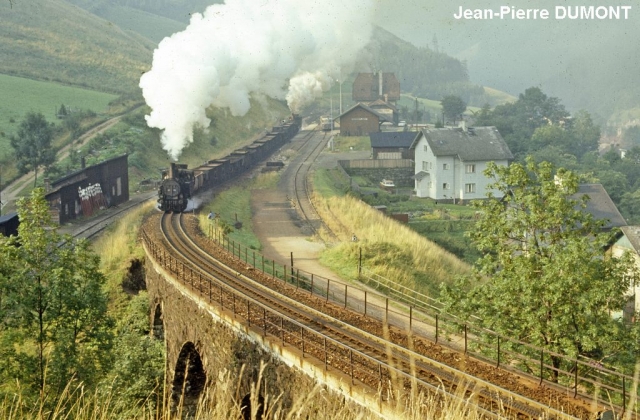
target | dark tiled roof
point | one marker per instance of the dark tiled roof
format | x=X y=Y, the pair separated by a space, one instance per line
x=473 y=144
x=600 y=205
x=633 y=235
x=393 y=139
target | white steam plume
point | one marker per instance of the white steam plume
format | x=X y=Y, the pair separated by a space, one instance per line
x=246 y=46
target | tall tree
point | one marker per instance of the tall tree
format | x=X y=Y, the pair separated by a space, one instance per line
x=453 y=107
x=545 y=277
x=586 y=133
x=54 y=325
x=517 y=121
x=32 y=144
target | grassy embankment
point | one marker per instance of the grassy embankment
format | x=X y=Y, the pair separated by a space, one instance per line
x=389 y=248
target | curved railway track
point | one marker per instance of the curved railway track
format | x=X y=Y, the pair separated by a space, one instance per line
x=364 y=357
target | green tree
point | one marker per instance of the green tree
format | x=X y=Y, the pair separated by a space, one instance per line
x=614 y=182
x=453 y=107
x=517 y=121
x=32 y=144
x=545 y=277
x=136 y=378
x=631 y=136
x=551 y=135
x=633 y=155
x=54 y=325
x=630 y=206
x=586 y=134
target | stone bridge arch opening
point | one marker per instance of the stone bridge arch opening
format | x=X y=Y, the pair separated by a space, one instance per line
x=245 y=407
x=158 y=323
x=190 y=378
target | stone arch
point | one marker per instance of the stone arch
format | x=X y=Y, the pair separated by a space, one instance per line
x=189 y=378
x=157 y=331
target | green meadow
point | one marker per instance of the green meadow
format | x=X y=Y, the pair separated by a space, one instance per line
x=21 y=96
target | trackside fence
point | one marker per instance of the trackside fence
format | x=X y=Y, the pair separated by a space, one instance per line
x=408 y=310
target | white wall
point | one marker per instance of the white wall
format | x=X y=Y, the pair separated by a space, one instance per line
x=455 y=176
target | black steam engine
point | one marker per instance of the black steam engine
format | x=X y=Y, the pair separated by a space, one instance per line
x=179 y=184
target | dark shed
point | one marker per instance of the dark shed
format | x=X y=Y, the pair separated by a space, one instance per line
x=84 y=192
x=393 y=144
x=9 y=224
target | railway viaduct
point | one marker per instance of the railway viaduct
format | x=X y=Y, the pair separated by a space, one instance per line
x=227 y=316
x=204 y=339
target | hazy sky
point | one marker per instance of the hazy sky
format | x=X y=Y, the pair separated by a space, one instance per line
x=512 y=54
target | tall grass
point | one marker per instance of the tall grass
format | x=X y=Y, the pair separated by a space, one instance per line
x=225 y=398
x=388 y=247
x=117 y=248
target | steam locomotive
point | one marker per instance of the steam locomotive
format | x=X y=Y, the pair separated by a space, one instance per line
x=179 y=183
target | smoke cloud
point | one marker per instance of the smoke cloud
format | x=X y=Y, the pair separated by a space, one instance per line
x=281 y=48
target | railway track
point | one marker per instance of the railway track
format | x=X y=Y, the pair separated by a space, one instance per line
x=299 y=189
x=364 y=357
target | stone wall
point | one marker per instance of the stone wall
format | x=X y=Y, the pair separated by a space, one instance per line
x=227 y=344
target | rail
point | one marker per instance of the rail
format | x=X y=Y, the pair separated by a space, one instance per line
x=353 y=362
x=418 y=313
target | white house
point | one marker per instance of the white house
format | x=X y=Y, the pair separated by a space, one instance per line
x=449 y=162
x=630 y=242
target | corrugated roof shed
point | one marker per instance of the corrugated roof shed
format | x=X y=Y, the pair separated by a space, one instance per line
x=7 y=217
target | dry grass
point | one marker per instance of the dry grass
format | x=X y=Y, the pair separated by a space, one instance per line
x=389 y=248
x=223 y=401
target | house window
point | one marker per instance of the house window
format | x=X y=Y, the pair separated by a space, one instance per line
x=471 y=169
x=445 y=166
x=470 y=188
x=445 y=186
x=426 y=148
x=425 y=166
x=430 y=165
x=119 y=186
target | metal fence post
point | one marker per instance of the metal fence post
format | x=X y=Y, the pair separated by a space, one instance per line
x=498 y=364
x=465 y=338
x=365 y=303
x=541 y=365
x=345 y=296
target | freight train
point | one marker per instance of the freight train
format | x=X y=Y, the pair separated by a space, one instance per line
x=179 y=183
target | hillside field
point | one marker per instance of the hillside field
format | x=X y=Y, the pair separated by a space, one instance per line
x=25 y=95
